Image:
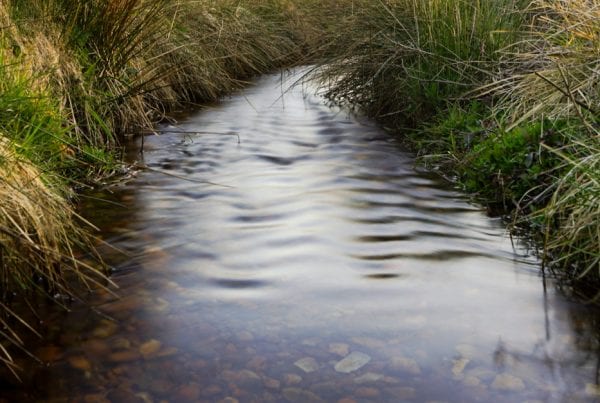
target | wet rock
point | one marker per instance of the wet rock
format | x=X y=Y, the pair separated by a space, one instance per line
x=406 y=365
x=124 y=356
x=292 y=379
x=150 y=348
x=244 y=378
x=80 y=362
x=231 y=349
x=96 y=347
x=189 y=392
x=459 y=366
x=257 y=363
x=341 y=349
x=369 y=342
x=352 y=362
x=245 y=336
x=508 y=382
x=95 y=398
x=120 y=343
x=272 y=383
x=105 y=329
x=161 y=387
x=49 y=353
x=211 y=390
x=311 y=342
x=366 y=392
x=307 y=364
x=369 y=377
x=123 y=395
x=466 y=350
x=300 y=396
x=472 y=381
x=486 y=375
x=402 y=393
x=591 y=389
x=167 y=352
x=145 y=397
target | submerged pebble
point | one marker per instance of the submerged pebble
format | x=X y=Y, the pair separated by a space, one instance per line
x=352 y=362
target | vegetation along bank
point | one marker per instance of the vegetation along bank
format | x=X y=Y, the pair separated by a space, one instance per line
x=502 y=95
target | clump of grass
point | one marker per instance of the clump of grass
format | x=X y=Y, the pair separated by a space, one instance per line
x=555 y=74
x=404 y=60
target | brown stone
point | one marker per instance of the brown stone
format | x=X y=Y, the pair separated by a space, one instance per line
x=124 y=356
x=161 y=386
x=367 y=392
x=211 y=390
x=402 y=392
x=272 y=383
x=341 y=349
x=189 y=392
x=49 y=353
x=346 y=400
x=95 y=398
x=292 y=379
x=150 y=348
x=80 y=362
x=96 y=347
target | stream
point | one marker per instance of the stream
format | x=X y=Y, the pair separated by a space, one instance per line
x=282 y=250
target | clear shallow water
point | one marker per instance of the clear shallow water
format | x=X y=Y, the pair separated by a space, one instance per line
x=317 y=265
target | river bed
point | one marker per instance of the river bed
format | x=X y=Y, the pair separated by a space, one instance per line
x=279 y=249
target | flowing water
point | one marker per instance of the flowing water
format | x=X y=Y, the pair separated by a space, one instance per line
x=281 y=250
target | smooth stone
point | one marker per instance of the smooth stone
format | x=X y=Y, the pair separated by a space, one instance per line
x=49 y=353
x=123 y=395
x=459 y=366
x=300 y=395
x=347 y=400
x=466 y=350
x=307 y=364
x=591 y=389
x=292 y=379
x=121 y=343
x=369 y=342
x=106 y=329
x=368 y=377
x=211 y=390
x=367 y=392
x=161 y=386
x=245 y=336
x=486 y=375
x=96 y=347
x=402 y=392
x=257 y=363
x=80 y=362
x=352 y=362
x=272 y=383
x=341 y=349
x=167 y=352
x=189 y=392
x=150 y=347
x=95 y=398
x=508 y=382
x=124 y=356
x=244 y=378
x=471 y=381
x=406 y=364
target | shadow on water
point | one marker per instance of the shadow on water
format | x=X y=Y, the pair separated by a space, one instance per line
x=322 y=267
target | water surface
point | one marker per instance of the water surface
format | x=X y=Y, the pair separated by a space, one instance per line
x=281 y=250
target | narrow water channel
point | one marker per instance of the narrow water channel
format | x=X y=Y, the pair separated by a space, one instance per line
x=281 y=250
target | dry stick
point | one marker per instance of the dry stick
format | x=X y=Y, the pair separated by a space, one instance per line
x=160 y=171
